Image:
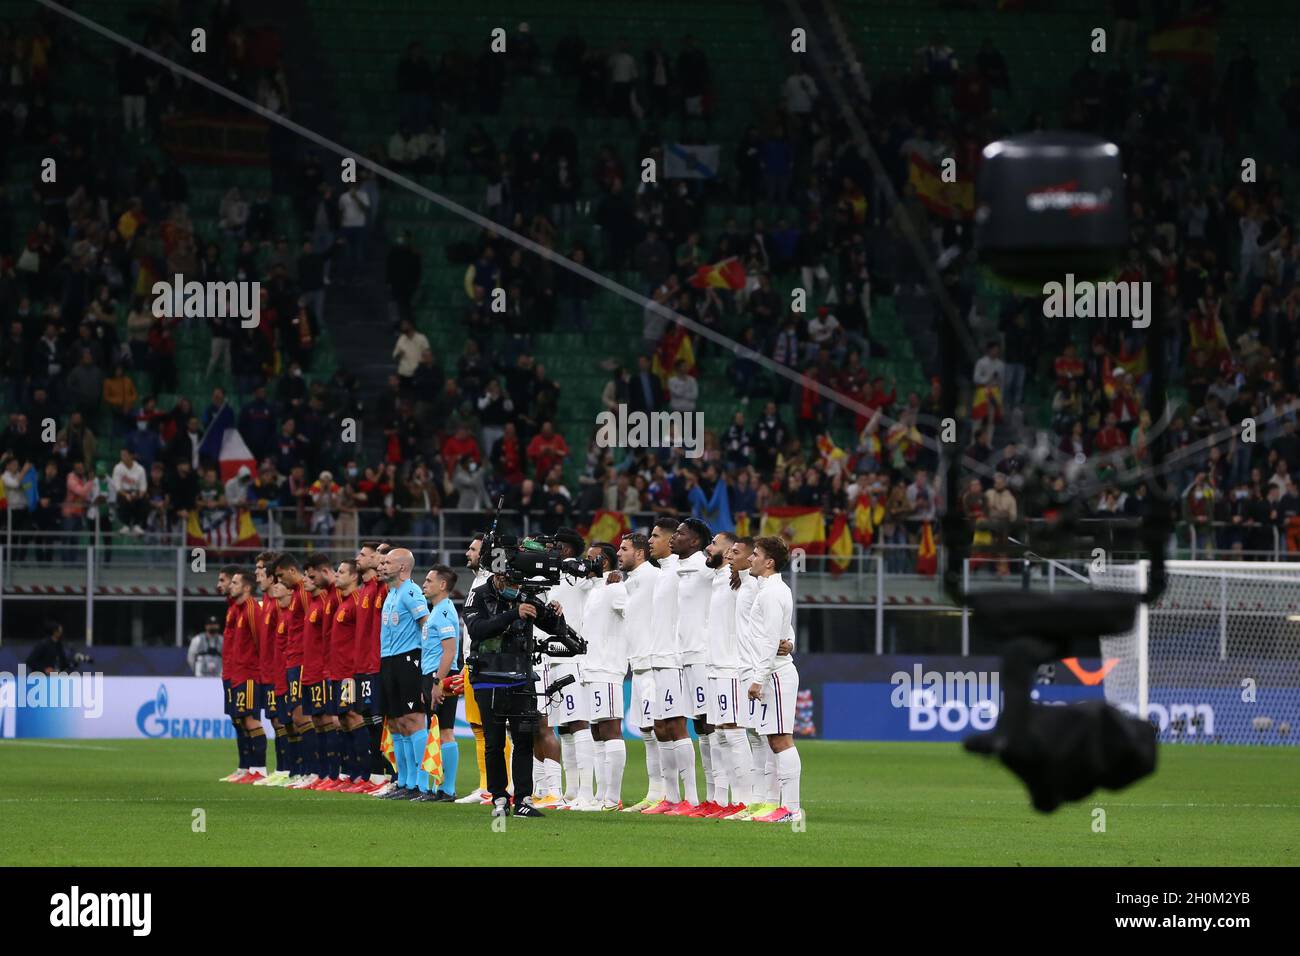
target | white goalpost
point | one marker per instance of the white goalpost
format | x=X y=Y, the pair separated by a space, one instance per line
x=1217 y=658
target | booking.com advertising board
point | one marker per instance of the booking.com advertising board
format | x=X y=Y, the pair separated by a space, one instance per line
x=841 y=697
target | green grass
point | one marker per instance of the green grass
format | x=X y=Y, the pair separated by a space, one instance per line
x=115 y=803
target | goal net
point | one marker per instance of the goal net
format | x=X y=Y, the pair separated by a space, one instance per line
x=1217 y=658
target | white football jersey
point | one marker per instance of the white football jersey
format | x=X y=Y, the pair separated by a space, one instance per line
x=694 y=590
x=724 y=650
x=664 y=650
x=634 y=599
x=770 y=623
x=602 y=628
x=744 y=623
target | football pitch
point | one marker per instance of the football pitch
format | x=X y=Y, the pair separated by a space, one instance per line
x=133 y=803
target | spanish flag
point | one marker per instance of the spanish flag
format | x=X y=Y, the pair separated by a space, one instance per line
x=386 y=746
x=800 y=527
x=927 y=558
x=742 y=526
x=867 y=515
x=1194 y=40
x=986 y=396
x=674 y=347
x=954 y=200
x=431 y=762
x=833 y=456
x=727 y=274
x=608 y=526
x=841 y=545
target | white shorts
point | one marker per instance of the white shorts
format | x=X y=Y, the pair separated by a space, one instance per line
x=604 y=701
x=696 y=679
x=574 y=704
x=643 y=698
x=725 y=694
x=774 y=714
x=670 y=693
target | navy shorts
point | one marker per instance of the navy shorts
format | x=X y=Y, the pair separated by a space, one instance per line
x=293 y=697
x=313 y=698
x=334 y=704
x=265 y=699
x=368 y=697
x=227 y=705
x=243 y=698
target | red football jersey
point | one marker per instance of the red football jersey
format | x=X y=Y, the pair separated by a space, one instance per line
x=281 y=641
x=297 y=618
x=368 y=625
x=313 y=637
x=243 y=663
x=343 y=637
x=227 y=641
x=268 y=617
x=327 y=632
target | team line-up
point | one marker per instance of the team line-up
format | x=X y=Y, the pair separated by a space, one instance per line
x=359 y=670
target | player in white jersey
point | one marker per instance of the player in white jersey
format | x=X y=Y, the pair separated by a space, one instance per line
x=635 y=600
x=774 y=683
x=732 y=760
x=676 y=752
x=764 y=784
x=569 y=711
x=602 y=676
x=695 y=572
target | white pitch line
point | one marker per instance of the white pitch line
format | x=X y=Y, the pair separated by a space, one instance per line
x=52 y=744
x=1189 y=806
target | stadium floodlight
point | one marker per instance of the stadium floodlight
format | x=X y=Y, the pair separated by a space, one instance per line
x=1032 y=195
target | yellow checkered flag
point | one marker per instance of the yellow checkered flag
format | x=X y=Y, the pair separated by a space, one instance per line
x=431 y=762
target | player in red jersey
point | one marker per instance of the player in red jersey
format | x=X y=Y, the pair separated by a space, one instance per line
x=302 y=735
x=371 y=594
x=354 y=737
x=244 y=671
x=272 y=686
x=223 y=585
x=319 y=583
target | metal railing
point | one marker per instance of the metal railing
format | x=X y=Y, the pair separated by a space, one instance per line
x=95 y=565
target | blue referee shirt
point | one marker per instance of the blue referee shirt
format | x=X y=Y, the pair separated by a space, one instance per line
x=442 y=625
x=404 y=608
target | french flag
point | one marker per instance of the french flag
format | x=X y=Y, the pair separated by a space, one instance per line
x=234 y=455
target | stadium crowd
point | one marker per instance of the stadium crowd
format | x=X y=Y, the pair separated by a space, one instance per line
x=83 y=349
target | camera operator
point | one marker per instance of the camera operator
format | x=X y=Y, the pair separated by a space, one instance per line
x=501 y=628
x=51 y=655
x=204 y=655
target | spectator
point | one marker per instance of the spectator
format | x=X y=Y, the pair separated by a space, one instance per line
x=683 y=389
x=402 y=272
x=547 y=449
x=129 y=485
x=120 y=395
x=410 y=346
x=354 y=216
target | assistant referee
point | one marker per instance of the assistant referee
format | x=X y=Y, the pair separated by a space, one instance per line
x=402 y=624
